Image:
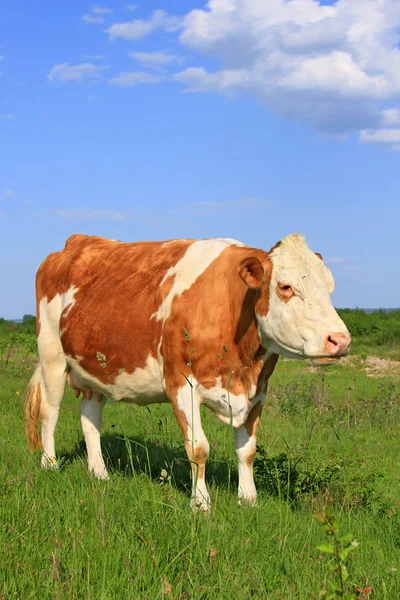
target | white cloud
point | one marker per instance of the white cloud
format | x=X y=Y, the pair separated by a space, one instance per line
x=132 y=78
x=137 y=29
x=155 y=59
x=7 y=117
x=65 y=72
x=131 y=7
x=96 y=15
x=85 y=214
x=390 y=116
x=334 y=66
x=101 y=10
x=388 y=137
x=98 y=19
x=227 y=81
x=380 y=136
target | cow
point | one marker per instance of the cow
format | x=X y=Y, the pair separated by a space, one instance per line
x=189 y=322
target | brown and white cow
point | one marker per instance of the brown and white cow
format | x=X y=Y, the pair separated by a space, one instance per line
x=115 y=318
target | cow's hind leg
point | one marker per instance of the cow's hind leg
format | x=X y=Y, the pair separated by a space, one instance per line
x=187 y=411
x=91 y=416
x=53 y=377
x=245 y=444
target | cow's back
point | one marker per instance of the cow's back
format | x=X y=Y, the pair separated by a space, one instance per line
x=112 y=290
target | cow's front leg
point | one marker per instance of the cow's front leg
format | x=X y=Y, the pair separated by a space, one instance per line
x=187 y=411
x=245 y=444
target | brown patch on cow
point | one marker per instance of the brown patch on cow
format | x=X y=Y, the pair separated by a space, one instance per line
x=262 y=305
x=252 y=272
x=199 y=459
x=253 y=419
x=218 y=312
x=182 y=422
x=250 y=458
x=266 y=372
x=251 y=426
x=118 y=290
x=166 y=287
x=319 y=255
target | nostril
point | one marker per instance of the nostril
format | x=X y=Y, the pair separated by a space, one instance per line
x=337 y=343
x=331 y=340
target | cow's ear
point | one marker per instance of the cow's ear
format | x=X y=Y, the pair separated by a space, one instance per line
x=319 y=256
x=252 y=272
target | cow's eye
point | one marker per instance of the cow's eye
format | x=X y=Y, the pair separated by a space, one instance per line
x=285 y=291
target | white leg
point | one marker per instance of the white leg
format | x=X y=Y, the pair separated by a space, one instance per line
x=245 y=444
x=49 y=424
x=53 y=388
x=91 y=415
x=187 y=411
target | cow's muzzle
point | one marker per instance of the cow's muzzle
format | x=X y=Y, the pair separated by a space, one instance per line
x=336 y=345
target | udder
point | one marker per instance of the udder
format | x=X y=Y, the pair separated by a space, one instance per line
x=79 y=387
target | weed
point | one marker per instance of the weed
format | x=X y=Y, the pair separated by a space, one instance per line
x=339 y=550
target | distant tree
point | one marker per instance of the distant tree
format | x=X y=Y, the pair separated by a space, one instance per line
x=28 y=318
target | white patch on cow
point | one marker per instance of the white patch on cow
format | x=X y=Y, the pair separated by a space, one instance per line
x=68 y=299
x=50 y=313
x=299 y=328
x=228 y=407
x=143 y=386
x=197 y=259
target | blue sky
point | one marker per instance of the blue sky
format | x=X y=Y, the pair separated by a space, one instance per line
x=245 y=119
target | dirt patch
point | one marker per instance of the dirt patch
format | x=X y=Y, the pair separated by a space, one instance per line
x=380 y=367
x=373 y=366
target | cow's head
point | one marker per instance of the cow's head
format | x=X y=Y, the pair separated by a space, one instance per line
x=295 y=314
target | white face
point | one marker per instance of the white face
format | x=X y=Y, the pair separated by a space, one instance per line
x=301 y=321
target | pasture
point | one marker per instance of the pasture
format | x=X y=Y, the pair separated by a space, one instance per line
x=328 y=437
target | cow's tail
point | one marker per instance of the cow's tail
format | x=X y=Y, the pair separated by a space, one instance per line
x=33 y=403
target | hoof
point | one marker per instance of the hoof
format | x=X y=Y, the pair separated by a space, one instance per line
x=49 y=462
x=248 y=501
x=99 y=473
x=202 y=505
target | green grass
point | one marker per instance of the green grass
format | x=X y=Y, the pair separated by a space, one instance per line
x=330 y=437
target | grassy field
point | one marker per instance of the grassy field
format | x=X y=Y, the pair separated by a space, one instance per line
x=327 y=437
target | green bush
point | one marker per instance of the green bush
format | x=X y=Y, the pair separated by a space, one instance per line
x=377 y=328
